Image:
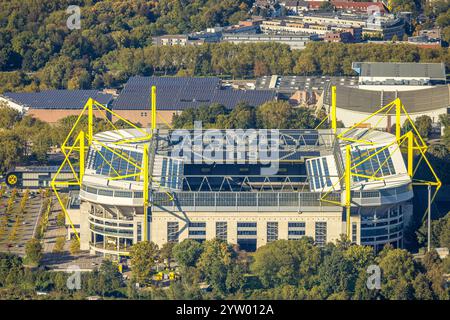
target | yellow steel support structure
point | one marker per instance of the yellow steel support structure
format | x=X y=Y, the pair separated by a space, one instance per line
x=410 y=137
x=83 y=139
x=398 y=112
x=348 y=185
x=146 y=194
x=333 y=109
x=146 y=162
x=414 y=142
x=153 y=108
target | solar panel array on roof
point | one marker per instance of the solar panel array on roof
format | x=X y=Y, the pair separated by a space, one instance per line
x=58 y=99
x=178 y=93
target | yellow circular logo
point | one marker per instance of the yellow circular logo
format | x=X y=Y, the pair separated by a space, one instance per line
x=12 y=179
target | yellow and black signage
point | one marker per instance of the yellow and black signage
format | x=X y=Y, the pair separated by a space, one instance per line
x=13 y=179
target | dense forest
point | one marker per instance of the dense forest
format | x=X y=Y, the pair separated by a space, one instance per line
x=38 y=51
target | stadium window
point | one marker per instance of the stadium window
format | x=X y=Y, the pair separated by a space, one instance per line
x=221 y=230
x=354 y=232
x=172 y=231
x=321 y=233
x=139 y=231
x=272 y=231
x=296 y=230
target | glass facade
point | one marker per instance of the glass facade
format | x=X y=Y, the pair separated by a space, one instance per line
x=319 y=174
x=354 y=232
x=171 y=172
x=172 y=231
x=272 y=231
x=221 y=231
x=379 y=165
x=114 y=162
x=296 y=230
x=321 y=233
x=247 y=235
x=197 y=231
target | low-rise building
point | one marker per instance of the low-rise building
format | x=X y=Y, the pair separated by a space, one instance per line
x=295 y=6
x=350 y=35
x=294 y=41
x=356 y=104
x=421 y=87
x=432 y=34
x=319 y=23
x=402 y=75
x=53 y=105
x=10 y=102
x=175 y=94
x=177 y=40
x=424 y=41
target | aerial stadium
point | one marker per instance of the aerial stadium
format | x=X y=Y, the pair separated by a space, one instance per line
x=246 y=187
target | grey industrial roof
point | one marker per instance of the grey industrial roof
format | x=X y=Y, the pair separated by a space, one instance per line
x=178 y=93
x=369 y=101
x=397 y=69
x=290 y=84
x=58 y=99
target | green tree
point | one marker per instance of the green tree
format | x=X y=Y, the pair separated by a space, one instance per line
x=286 y=262
x=9 y=117
x=11 y=150
x=217 y=263
x=440 y=232
x=423 y=125
x=110 y=277
x=61 y=219
x=143 y=257
x=241 y=117
x=398 y=272
x=422 y=288
x=33 y=251
x=360 y=256
x=187 y=252
x=74 y=246
x=274 y=115
x=59 y=244
x=166 y=253
x=337 y=274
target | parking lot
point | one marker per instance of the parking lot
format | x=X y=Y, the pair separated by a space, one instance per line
x=26 y=223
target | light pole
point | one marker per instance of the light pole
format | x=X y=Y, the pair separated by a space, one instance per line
x=429 y=218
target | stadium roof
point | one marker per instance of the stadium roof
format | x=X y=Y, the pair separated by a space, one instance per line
x=399 y=70
x=178 y=93
x=58 y=99
x=369 y=101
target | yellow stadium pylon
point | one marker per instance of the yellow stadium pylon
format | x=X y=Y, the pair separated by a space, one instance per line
x=413 y=140
x=84 y=139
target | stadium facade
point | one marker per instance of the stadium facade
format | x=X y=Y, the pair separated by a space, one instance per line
x=246 y=187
